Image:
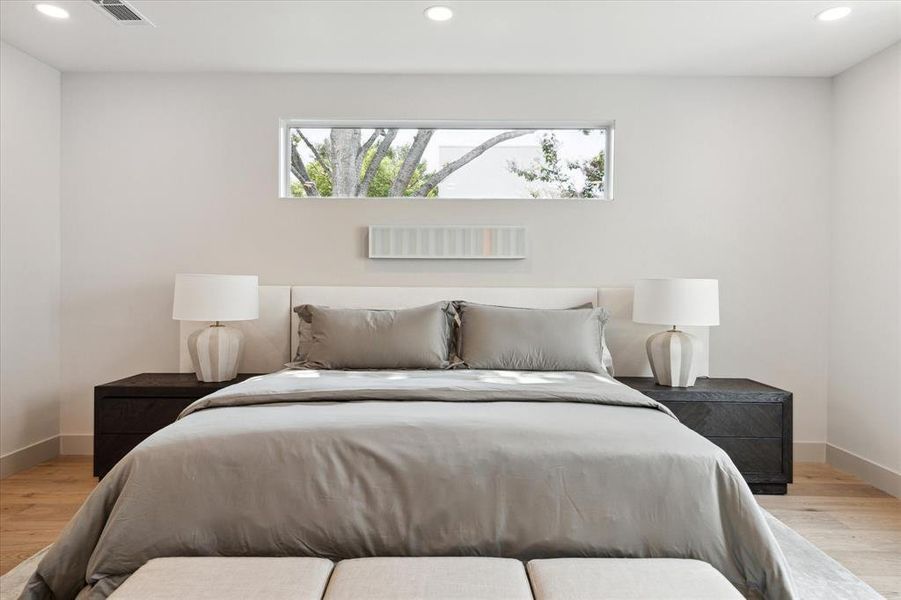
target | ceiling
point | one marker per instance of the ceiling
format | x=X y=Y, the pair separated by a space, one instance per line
x=760 y=38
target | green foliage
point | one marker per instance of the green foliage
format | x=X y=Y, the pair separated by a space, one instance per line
x=387 y=172
x=320 y=177
x=549 y=169
x=381 y=182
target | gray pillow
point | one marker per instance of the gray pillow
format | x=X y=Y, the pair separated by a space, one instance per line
x=523 y=339
x=349 y=338
x=304 y=332
x=606 y=355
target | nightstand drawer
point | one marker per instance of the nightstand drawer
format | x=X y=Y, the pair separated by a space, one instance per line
x=110 y=449
x=741 y=419
x=753 y=455
x=751 y=421
x=137 y=414
x=128 y=410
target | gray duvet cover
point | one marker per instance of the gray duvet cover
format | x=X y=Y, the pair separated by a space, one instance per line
x=350 y=464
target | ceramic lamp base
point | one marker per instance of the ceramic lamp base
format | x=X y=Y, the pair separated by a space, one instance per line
x=671 y=354
x=216 y=352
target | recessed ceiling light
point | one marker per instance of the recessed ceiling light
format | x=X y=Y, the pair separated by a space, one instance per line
x=439 y=13
x=52 y=11
x=834 y=14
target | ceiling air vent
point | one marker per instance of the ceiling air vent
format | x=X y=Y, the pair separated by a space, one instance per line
x=121 y=13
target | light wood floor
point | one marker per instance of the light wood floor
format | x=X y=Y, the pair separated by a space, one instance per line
x=36 y=504
x=854 y=523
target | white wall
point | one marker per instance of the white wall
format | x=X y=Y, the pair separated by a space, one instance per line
x=865 y=271
x=29 y=258
x=718 y=178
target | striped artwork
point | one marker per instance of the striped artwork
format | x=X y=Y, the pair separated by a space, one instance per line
x=447 y=242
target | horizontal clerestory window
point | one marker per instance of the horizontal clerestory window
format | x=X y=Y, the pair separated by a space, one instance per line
x=412 y=160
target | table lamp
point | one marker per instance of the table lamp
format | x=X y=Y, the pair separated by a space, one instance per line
x=675 y=302
x=216 y=350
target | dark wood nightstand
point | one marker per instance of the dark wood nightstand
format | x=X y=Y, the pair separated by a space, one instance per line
x=751 y=421
x=129 y=410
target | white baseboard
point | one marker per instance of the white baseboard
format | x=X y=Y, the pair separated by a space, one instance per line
x=80 y=444
x=873 y=473
x=809 y=452
x=29 y=456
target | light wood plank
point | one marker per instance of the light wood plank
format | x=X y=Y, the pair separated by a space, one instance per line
x=37 y=503
x=856 y=524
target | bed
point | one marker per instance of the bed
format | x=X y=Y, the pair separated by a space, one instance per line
x=344 y=464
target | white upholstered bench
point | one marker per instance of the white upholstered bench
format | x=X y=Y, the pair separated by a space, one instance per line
x=426 y=578
x=628 y=579
x=227 y=578
x=429 y=578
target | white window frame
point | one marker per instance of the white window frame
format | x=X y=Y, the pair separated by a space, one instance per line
x=284 y=146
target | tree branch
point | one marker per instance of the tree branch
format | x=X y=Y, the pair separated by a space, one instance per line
x=345 y=143
x=380 y=152
x=368 y=143
x=316 y=155
x=300 y=171
x=411 y=161
x=452 y=166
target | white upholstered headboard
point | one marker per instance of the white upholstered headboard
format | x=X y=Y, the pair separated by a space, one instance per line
x=270 y=341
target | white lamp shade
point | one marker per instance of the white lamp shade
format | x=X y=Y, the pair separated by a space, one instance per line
x=677 y=302
x=216 y=297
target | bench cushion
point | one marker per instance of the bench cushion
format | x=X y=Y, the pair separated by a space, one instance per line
x=628 y=579
x=429 y=578
x=227 y=578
